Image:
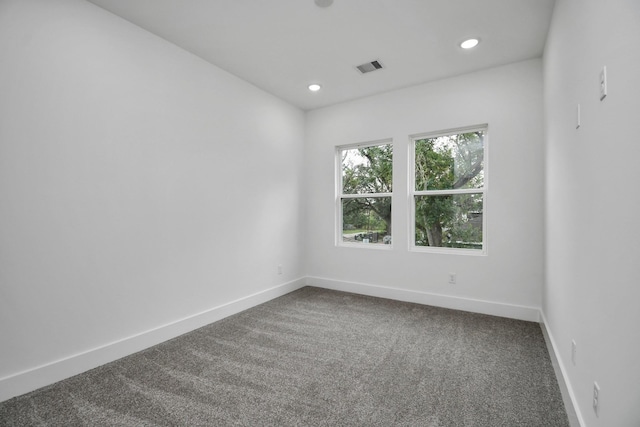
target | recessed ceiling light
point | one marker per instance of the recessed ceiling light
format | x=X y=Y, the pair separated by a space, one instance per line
x=314 y=87
x=468 y=44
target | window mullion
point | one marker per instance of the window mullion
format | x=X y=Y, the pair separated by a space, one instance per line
x=445 y=192
x=365 y=195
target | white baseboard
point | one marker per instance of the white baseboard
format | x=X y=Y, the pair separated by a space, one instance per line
x=511 y=311
x=40 y=376
x=568 y=396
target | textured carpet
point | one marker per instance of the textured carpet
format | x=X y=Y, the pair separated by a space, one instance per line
x=318 y=358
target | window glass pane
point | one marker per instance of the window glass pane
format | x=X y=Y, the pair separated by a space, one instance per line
x=450 y=162
x=451 y=221
x=366 y=220
x=367 y=170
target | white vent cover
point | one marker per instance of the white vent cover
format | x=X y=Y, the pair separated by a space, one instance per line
x=369 y=67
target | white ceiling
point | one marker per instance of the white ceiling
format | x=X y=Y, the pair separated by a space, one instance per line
x=283 y=45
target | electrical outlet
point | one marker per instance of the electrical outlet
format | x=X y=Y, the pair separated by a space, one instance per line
x=596 y=398
x=452 y=278
x=280 y=269
x=573 y=352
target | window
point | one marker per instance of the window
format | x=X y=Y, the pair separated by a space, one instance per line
x=448 y=190
x=365 y=175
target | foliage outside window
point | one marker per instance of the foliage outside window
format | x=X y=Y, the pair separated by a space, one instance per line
x=449 y=190
x=364 y=195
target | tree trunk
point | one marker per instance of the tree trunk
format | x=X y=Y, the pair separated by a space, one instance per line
x=434 y=234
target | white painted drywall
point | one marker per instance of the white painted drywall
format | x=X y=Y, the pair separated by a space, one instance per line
x=139 y=185
x=592 y=289
x=509 y=100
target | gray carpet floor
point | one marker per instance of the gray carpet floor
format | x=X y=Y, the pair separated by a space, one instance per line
x=317 y=357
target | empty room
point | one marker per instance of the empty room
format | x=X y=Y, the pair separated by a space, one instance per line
x=319 y=213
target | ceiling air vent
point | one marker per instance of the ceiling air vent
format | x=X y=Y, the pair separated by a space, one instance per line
x=369 y=67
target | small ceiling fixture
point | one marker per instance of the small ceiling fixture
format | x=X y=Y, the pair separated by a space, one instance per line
x=468 y=44
x=323 y=3
x=369 y=67
x=314 y=87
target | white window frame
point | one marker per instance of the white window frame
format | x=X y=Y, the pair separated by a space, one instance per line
x=340 y=196
x=413 y=192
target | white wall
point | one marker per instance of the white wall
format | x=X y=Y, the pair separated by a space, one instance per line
x=592 y=290
x=139 y=185
x=509 y=279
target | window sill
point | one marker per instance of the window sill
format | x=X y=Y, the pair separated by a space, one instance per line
x=449 y=251
x=374 y=246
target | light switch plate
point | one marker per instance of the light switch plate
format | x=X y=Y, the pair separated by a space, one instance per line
x=603 y=83
x=596 y=398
